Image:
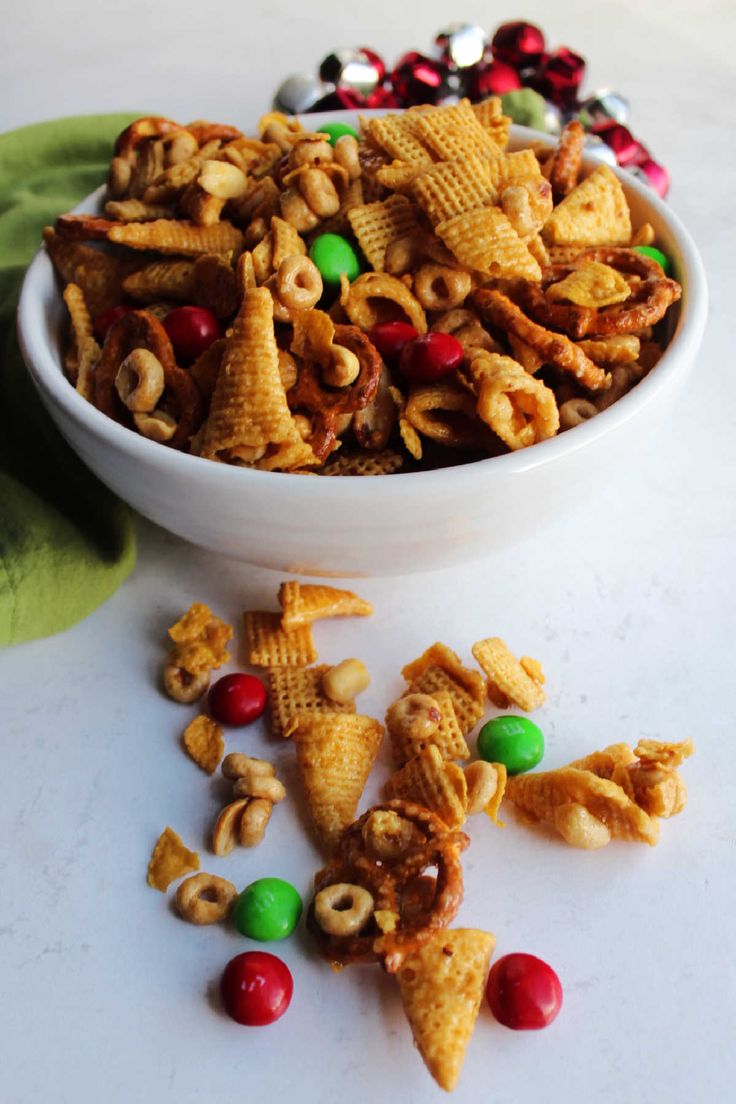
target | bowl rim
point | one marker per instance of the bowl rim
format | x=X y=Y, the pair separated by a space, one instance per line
x=49 y=378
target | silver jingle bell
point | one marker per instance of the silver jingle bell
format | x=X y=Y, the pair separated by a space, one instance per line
x=461 y=45
x=595 y=148
x=299 y=93
x=552 y=118
x=639 y=173
x=602 y=106
x=350 y=69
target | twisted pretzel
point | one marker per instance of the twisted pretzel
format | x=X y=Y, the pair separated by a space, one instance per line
x=647 y=303
x=420 y=903
x=326 y=406
x=142 y=330
x=149 y=127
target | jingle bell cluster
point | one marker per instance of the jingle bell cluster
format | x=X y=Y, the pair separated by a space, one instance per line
x=540 y=88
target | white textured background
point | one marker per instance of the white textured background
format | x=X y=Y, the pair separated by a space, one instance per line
x=629 y=603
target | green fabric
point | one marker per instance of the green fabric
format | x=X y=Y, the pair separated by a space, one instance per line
x=66 y=543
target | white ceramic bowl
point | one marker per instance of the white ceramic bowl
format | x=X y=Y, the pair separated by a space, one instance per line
x=384 y=525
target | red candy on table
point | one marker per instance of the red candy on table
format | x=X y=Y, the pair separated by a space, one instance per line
x=430 y=357
x=104 y=321
x=524 y=992
x=390 y=338
x=237 y=699
x=256 y=988
x=191 y=330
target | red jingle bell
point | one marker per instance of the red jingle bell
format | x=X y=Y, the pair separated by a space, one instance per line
x=495 y=79
x=623 y=143
x=560 y=76
x=418 y=79
x=341 y=99
x=518 y=44
x=383 y=97
x=657 y=176
x=376 y=61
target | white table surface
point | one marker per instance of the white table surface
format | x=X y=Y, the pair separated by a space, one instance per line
x=629 y=603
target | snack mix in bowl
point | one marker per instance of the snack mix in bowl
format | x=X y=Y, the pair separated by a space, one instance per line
x=339 y=303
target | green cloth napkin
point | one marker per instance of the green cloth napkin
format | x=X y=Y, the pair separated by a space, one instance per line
x=66 y=542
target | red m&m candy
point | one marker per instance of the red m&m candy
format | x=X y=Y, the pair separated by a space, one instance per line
x=256 y=988
x=237 y=699
x=430 y=357
x=524 y=993
x=191 y=330
x=391 y=337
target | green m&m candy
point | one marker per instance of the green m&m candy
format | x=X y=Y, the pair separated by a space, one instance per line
x=657 y=255
x=267 y=910
x=334 y=255
x=514 y=741
x=337 y=130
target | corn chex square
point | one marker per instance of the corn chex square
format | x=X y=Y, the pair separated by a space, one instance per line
x=294 y=690
x=377 y=225
x=453 y=187
x=486 y=241
x=454 y=132
x=267 y=645
x=396 y=134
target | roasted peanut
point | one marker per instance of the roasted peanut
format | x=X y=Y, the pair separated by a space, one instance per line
x=342 y=369
x=254 y=820
x=179 y=147
x=319 y=193
x=346 y=154
x=118 y=180
x=222 y=180
x=156 y=426
x=482 y=782
x=310 y=151
x=296 y=211
x=237 y=765
x=580 y=828
x=343 y=682
x=414 y=717
x=253 y=784
x=225 y=834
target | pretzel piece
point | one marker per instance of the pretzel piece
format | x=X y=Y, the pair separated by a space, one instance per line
x=325 y=406
x=651 y=294
x=141 y=330
x=497 y=309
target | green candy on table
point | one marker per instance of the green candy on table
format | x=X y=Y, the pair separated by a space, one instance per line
x=514 y=741
x=337 y=130
x=657 y=255
x=268 y=909
x=334 y=255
